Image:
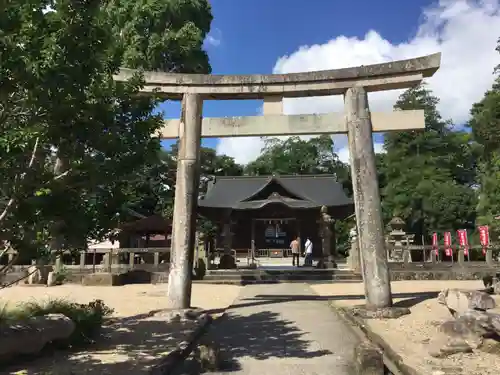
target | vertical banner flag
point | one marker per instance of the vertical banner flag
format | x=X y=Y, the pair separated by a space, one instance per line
x=484 y=237
x=447 y=244
x=435 y=244
x=463 y=241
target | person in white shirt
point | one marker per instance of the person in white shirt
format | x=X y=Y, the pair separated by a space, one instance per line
x=308 y=250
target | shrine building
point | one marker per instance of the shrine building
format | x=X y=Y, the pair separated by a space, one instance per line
x=266 y=212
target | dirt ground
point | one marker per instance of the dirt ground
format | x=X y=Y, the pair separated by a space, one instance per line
x=130 y=345
x=409 y=335
x=127 y=300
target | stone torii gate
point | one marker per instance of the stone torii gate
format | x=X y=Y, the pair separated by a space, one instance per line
x=357 y=121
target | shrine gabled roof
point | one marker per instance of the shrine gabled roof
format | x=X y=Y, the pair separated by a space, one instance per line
x=306 y=191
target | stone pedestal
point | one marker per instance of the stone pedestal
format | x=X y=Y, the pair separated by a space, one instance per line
x=354 y=258
x=461 y=256
x=489 y=257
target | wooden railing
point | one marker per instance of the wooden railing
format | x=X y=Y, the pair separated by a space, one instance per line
x=103 y=260
x=259 y=253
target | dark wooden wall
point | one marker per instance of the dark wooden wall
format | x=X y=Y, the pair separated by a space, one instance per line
x=305 y=225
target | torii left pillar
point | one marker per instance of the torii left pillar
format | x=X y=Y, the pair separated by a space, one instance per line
x=186 y=201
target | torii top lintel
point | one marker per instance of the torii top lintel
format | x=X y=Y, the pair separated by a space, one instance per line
x=377 y=77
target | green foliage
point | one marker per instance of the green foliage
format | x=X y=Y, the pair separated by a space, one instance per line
x=88 y=318
x=485 y=121
x=427 y=177
x=164 y=35
x=485 y=127
x=297 y=156
x=73 y=143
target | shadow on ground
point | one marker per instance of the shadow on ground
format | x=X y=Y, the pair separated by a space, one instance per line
x=133 y=344
x=410 y=299
x=127 y=346
x=261 y=336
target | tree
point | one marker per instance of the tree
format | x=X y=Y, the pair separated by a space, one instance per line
x=297 y=156
x=165 y=35
x=69 y=135
x=485 y=126
x=429 y=176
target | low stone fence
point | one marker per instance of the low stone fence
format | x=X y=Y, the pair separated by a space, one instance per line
x=76 y=264
x=429 y=263
x=455 y=254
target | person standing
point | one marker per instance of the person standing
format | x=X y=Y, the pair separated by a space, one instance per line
x=309 y=252
x=295 y=246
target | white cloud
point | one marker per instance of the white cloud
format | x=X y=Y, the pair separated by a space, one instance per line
x=343 y=152
x=466 y=33
x=214 y=38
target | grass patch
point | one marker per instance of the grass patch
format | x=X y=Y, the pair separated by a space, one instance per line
x=88 y=318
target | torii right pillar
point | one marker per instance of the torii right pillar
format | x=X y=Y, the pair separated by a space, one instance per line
x=366 y=193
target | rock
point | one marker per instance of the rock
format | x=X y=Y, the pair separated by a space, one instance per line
x=178 y=315
x=368 y=359
x=490 y=280
x=487 y=320
x=51 y=279
x=31 y=335
x=472 y=329
x=208 y=355
x=383 y=313
x=35 y=275
x=101 y=279
x=459 y=301
x=491 y=346
x=496 y=288
x=442 y=346
x=464 y=330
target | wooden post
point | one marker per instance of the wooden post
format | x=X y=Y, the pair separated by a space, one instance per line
x=186 y=199
x=367 y=200
x=252 y=243
x=83 y=255
x=156 y=260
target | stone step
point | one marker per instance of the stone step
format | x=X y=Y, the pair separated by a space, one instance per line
x=280 y=272
x=258 y=275
x=245 y=282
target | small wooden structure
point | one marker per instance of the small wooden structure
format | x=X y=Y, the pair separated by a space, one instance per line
x=149 y=232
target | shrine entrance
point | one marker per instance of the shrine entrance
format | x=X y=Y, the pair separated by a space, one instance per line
x=272 y=237
x=357 y=121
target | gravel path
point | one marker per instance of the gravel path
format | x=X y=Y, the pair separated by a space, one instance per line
x=284 y=329
x=409 y=335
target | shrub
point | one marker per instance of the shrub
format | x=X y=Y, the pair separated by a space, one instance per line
x=88 y=318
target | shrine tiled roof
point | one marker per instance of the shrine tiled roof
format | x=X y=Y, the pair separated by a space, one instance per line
x=295 y=191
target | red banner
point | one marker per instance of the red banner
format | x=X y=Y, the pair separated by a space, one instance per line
x=484 y=237
x=447 y=244
x=463 y=241
x=435 y=243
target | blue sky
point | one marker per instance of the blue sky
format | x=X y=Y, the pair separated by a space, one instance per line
x=250 y=36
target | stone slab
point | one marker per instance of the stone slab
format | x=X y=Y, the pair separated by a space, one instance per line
x=376 y=77
x=285 y=329
x=273 y=125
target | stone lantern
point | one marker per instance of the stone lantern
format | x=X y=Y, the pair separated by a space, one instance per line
x=396 y=238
